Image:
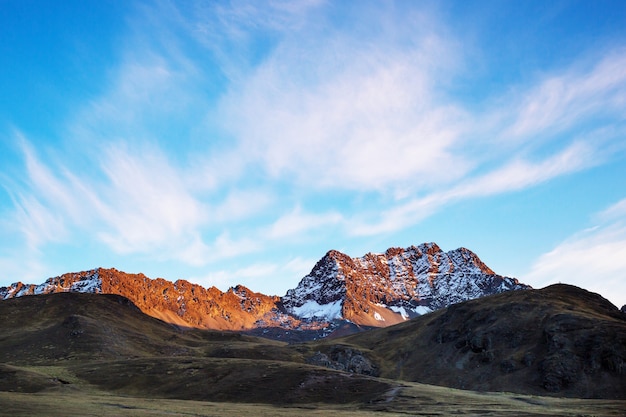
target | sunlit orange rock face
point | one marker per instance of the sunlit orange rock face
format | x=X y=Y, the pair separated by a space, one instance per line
x=180 y=302
x=188 y=304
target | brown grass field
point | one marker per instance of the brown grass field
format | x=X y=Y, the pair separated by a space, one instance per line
x=408 y=400
x=136 y=388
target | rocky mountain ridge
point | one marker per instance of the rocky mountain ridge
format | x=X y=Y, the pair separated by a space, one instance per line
x=383 y=289
x=340 y=294
x=181 y=302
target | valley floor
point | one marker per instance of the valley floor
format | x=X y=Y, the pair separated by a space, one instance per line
x=409 y=400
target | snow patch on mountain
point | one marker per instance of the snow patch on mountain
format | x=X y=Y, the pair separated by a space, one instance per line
x=87 y=282
x=313 y=310
x=90 y=284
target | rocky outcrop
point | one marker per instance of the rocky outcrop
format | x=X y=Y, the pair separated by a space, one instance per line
x=345 y=358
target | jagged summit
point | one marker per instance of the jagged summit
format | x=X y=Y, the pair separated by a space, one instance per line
x=383 y=289
x=373 y=290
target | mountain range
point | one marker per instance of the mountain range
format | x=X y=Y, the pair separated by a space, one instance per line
x=340 y=295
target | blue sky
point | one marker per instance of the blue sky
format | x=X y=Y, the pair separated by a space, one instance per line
x=237 y=142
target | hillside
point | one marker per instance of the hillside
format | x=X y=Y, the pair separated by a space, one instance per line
x=560 y=340
x=75 y=326
x=107 y=342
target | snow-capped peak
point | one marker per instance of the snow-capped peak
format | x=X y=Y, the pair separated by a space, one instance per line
x=406 y=282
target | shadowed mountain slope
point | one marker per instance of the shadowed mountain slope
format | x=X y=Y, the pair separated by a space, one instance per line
x=75 y=326
x=560 y=340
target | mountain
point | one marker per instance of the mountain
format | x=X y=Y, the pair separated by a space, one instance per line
x=383 y=289
x=560 y=340
x=181 y=302
x=340 y=295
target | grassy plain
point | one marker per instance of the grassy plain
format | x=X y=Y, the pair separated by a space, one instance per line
x=409 y=400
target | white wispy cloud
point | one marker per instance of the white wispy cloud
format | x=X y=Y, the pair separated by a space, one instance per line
x=225 y=247
x=567 y=102
x=33 y=215
x=145 y=202
x=123 y=176
x=564 y=100
x=594 y=259
x=240 y=204
x=513 y=176
x=519 y=173
x=29 y=269
x=235 y=32
x=297 y=222
x=142 y=97
x=615 y=212
x=351 y=113
x=38 y=224
x=136 y=204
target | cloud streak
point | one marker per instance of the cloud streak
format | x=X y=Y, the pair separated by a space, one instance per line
x=562 y=101
x=145 y=203
x=594 y=259
x=297 y=223
x=141 y=204
x=513 y=176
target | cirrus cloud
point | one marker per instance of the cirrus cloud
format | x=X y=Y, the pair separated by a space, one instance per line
x=594 y=259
